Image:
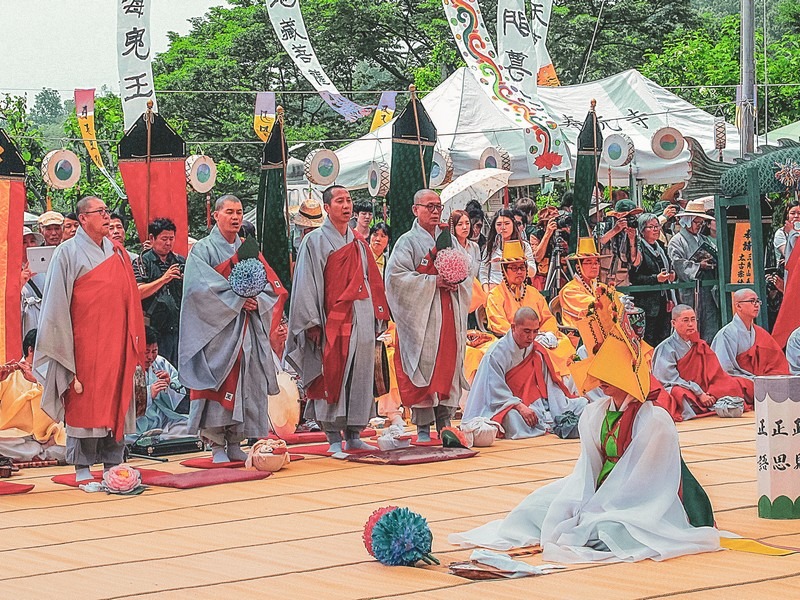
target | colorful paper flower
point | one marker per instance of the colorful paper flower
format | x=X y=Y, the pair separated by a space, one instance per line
x=248 y=278
x=452 y=265
x=398 y=537
x=547 y=160
x=122 y=479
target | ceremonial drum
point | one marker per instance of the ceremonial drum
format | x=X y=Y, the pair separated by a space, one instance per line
x=284 y=407
x=321 y=167
x=618 y=150
x=201 y=173
x=61 y=169
x=441 y=169
x=495 y=158
x=378 y=179
x=777 y=401
x=667 y=143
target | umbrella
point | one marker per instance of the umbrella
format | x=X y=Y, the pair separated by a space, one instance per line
x=479 y=185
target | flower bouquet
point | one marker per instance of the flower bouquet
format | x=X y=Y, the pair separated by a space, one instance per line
x=248 y=278
x=452 y=264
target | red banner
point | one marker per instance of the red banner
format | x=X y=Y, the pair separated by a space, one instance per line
x=12 y=210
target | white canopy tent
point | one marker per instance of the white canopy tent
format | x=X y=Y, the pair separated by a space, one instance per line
x=468 y=122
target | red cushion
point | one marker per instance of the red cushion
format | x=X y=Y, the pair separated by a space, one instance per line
x=206 y=477
x=8 y=489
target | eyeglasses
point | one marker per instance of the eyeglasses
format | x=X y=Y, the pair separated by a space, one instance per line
x=431 y=207
x=652 y=227
x=522 y=267
x=102 y=211
x=755 y=301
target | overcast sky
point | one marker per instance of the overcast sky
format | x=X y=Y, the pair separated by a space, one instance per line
x=67 y=44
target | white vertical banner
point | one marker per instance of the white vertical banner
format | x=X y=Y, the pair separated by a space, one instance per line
x=515 y=46
x=134 y=58
x=540 y=22
x=289 y=26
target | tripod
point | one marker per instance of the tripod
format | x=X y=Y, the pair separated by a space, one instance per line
x=555 y=274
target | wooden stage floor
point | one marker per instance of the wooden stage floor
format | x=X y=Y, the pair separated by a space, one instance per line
x=297 y=534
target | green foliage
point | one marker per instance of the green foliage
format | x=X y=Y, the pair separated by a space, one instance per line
x=47 y=108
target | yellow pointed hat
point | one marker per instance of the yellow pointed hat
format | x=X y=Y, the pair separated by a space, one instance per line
x=513 y=252
x=586 y=249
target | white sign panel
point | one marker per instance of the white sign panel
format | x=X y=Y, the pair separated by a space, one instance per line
x=134 y=58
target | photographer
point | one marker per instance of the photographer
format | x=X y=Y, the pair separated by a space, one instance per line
x=159 y=273
x=550 y=237
x=618 y=240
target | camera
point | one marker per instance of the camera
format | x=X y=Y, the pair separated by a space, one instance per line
x=564 y=221
x=631 y=220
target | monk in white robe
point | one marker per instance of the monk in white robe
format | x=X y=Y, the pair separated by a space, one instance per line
x=338 y=302
x=90 y=341
x=516 y=384
x=225 y=357
x=431 y=319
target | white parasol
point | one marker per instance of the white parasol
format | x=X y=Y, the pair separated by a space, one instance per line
x=479 y=184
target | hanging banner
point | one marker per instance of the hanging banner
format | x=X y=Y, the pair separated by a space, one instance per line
x=287 y=21
x=742 y=263
x=84 y=109
x=515 y=46
x=540 y=19
x=547 y=151
x=264 y=117
x=385 y=110
x=134 y=56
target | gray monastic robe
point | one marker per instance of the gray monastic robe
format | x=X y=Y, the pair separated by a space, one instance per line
x=665 y=368
x=417 y=311
x=793 y=352
x=680 y=249
x=730 y=342
x=213 y=332
x=490 y=394
x=54 y=357
x=356 y=404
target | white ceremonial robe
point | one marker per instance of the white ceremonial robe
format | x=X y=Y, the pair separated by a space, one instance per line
x=634 y=515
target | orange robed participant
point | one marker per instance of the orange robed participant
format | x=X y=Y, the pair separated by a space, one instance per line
x=579 y=292
x=91 y=338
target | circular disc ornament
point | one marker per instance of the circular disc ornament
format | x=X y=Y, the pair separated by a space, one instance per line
x=321 y=166
x=667 y=143
x=61 y=169
x=201 y=173
x=378 y=179
x=441 y=169
x=495 y=158
x=618 y=150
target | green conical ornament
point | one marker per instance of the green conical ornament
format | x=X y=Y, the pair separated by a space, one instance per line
x=248 y=249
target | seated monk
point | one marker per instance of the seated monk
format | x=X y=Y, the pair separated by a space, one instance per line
x=690 y=371
x=578 y=293
x=513 y=293
x=26 y=431
x=793 y=352
x=744 y=349
x=517 y=385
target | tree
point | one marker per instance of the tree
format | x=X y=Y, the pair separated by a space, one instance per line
x=47 y=108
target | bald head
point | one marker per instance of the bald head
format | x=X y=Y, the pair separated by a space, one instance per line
x=680 y=309
x=223 y=200
x=525 y=313
x=744 y=294
x=525 y=327
x=684 y=322
x=746 y=304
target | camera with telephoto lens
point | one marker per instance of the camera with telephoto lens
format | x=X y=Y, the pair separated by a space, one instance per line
x=632 y=220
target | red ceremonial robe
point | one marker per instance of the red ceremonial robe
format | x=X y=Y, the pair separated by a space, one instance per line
x=445 y=368
x=764 y=357
x=344 y=284
x=226 y=394
x=527 y=382
x=104 y=364
x=788 y=318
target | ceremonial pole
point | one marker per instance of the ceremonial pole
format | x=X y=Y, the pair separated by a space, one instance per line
x=746 y=101
x=596 y=166
x=279 y=117
x=148 y=120
x=413 y=89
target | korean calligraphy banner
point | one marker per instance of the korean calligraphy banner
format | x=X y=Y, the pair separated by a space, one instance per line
x=12 y=211
x=385 y=110
x=287 y=20
x=84 y=110
x=742 y=262
x=134 y=58
x=515 y=45
x=547 y=151
x=540 y=20
x=264 y=117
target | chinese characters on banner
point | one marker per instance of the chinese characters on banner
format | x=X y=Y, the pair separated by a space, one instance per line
x=777 y=402
x=264 y=117
x=134 y=58
x=540 y=22
x=287 y=20
x=742 y=263
x=515 y=45
x=384 y=111
x=84 y=109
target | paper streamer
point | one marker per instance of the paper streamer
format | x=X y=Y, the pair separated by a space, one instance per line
x=134 y=59
x=540 y=20
x=384 y=111
x=515 y=45
x=84 y=110
x=264 y=117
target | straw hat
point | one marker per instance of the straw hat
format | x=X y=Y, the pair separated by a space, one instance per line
x=546 y=213
x=26 y=231
x=512 y=252
x=696 y=208
x=309 y=214
x=586 y=249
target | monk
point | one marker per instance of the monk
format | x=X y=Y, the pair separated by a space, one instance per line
x=513 y=293
x=224 y=353
x=338 y=308
x=579 y=292
x=517 y=385
x=793 y=352
x=90 y=341
x=430 y=314
x=744 y=349
x=690 y=371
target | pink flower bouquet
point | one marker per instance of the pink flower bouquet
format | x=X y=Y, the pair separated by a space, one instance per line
x=452 y=265
x=122 y=479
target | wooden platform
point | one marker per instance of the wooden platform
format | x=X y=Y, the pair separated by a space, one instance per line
x=298 y=534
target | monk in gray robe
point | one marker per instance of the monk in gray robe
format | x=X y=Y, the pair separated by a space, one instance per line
x=681 y=249
x=224 y=352
x=793 y=352
x=431 y=318
x=338 y=308
x=516 y=385
x=90 y=341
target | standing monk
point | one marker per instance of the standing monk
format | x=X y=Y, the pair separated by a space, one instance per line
x=224 y=350
x=91 y=338
x=431 y=318
x=338 y=296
